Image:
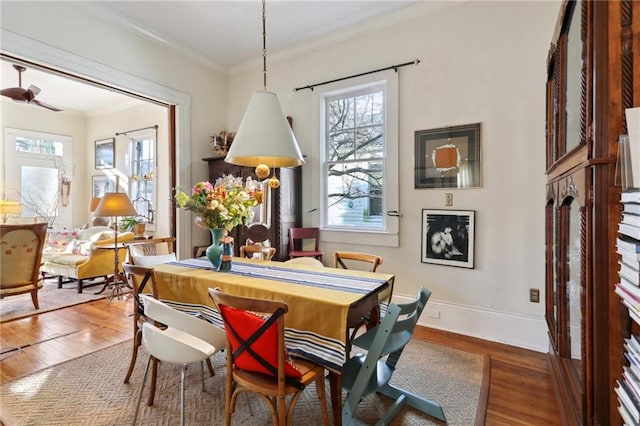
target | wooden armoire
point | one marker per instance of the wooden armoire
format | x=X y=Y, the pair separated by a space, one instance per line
x=280 y=210
x=593 y=74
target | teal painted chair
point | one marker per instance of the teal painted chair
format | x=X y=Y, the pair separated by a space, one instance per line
x=366 y=373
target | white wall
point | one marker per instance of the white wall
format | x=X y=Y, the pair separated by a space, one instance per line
x=481 y=62
x=146 y=115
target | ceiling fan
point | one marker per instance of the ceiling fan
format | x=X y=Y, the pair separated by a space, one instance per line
x=28 y=96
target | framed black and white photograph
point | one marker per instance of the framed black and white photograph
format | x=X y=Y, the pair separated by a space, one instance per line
x=448 y=237
x=448 y=157
x=102 y=184
x=105 y=153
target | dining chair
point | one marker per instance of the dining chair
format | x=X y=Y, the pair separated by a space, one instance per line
x=353 y=258
x=142 y=279
x=370 y=262
x=264 y=252
x=152 y=252
x=371 y=372
x=257 y=360
x=21 y=249
x=306 y=261
x=299 y=237
x=183 y=339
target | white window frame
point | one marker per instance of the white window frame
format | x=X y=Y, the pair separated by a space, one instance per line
x=388 y=237
x=132 y=137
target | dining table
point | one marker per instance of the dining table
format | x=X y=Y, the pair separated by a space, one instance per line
x=324 y=303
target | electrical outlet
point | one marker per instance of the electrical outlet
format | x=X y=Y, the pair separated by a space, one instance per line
x=448 y=199
x=534 y=295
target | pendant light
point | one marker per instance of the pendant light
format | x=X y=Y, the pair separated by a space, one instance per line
x=264 y=138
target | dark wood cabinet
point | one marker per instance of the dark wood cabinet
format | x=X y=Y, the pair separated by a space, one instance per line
x=592 y=76
x=281 y=208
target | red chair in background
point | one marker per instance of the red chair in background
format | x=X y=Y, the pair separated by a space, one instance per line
x=297 y=237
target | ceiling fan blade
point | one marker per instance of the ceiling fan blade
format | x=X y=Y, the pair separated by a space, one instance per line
x=15 y=93
x=44 y=105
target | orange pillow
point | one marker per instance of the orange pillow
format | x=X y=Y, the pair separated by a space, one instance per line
x=245 y=324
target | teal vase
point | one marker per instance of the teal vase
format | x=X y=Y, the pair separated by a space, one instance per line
x=214 y=251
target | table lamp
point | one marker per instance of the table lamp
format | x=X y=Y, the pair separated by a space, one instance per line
x=9 y=208
x=115 y=204
x=97 y=221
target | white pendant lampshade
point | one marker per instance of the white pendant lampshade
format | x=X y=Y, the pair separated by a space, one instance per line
x=264 y=136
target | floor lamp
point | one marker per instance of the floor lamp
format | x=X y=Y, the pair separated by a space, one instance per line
x=115 y=204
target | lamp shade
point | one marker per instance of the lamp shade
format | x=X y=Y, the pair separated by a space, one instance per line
x=93 y=203
x=115 y=204
x=264 y=136
x=8 y=207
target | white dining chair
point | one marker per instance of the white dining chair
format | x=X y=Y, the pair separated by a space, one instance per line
x=186 y=339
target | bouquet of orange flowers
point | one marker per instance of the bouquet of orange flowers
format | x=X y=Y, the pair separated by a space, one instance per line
x=227 y=203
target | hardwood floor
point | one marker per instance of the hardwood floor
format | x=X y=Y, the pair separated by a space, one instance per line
x=520 y=389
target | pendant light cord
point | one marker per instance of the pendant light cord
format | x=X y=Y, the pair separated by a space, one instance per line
x=264 y=44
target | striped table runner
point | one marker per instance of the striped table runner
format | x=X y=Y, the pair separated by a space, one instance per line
x=319 y=300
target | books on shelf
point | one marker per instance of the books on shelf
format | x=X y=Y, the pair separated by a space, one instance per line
x=627 y=399
x=629 y=272
x=630 y=196
x=633 y=208
x=631 y=219
x=629 y=230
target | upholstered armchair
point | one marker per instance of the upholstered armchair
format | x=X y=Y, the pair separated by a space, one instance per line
x=20 y=257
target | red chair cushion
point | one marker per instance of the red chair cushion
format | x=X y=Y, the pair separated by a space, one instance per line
x=245 y=324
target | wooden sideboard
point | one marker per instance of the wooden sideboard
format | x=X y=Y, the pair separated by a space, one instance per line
x=281 y=209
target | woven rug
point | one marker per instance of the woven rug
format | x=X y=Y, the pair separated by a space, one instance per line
x=89 y=391
x=50 y=298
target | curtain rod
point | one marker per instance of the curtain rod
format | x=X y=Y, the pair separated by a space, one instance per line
x=137 y=130
x=392 y=67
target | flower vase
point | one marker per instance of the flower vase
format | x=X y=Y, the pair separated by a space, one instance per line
x=214 y=251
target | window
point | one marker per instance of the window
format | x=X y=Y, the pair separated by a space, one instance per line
x=354 y=143
x=359 y=154
x=142 y=178
x=38 y=172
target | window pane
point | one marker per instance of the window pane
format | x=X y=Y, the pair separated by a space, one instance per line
x=354 y=194
x=369 y=109
x=39 y=189
x=341 y=145
x=340 y=114
x=370 y=142
x=39 y=146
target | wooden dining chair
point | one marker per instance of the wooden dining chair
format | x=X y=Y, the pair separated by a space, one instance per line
x=306 y=261
x=142 y=279
x=257 y=360
x=299 y=237
x=265 y=253
x=371 y=371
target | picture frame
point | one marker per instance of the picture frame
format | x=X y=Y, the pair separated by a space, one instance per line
x=105 y=153
x=448 y=237
x=102 y=184
x=448 y=157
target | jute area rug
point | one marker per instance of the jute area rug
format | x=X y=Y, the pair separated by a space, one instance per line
x=50 y=298
x=90 y=391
